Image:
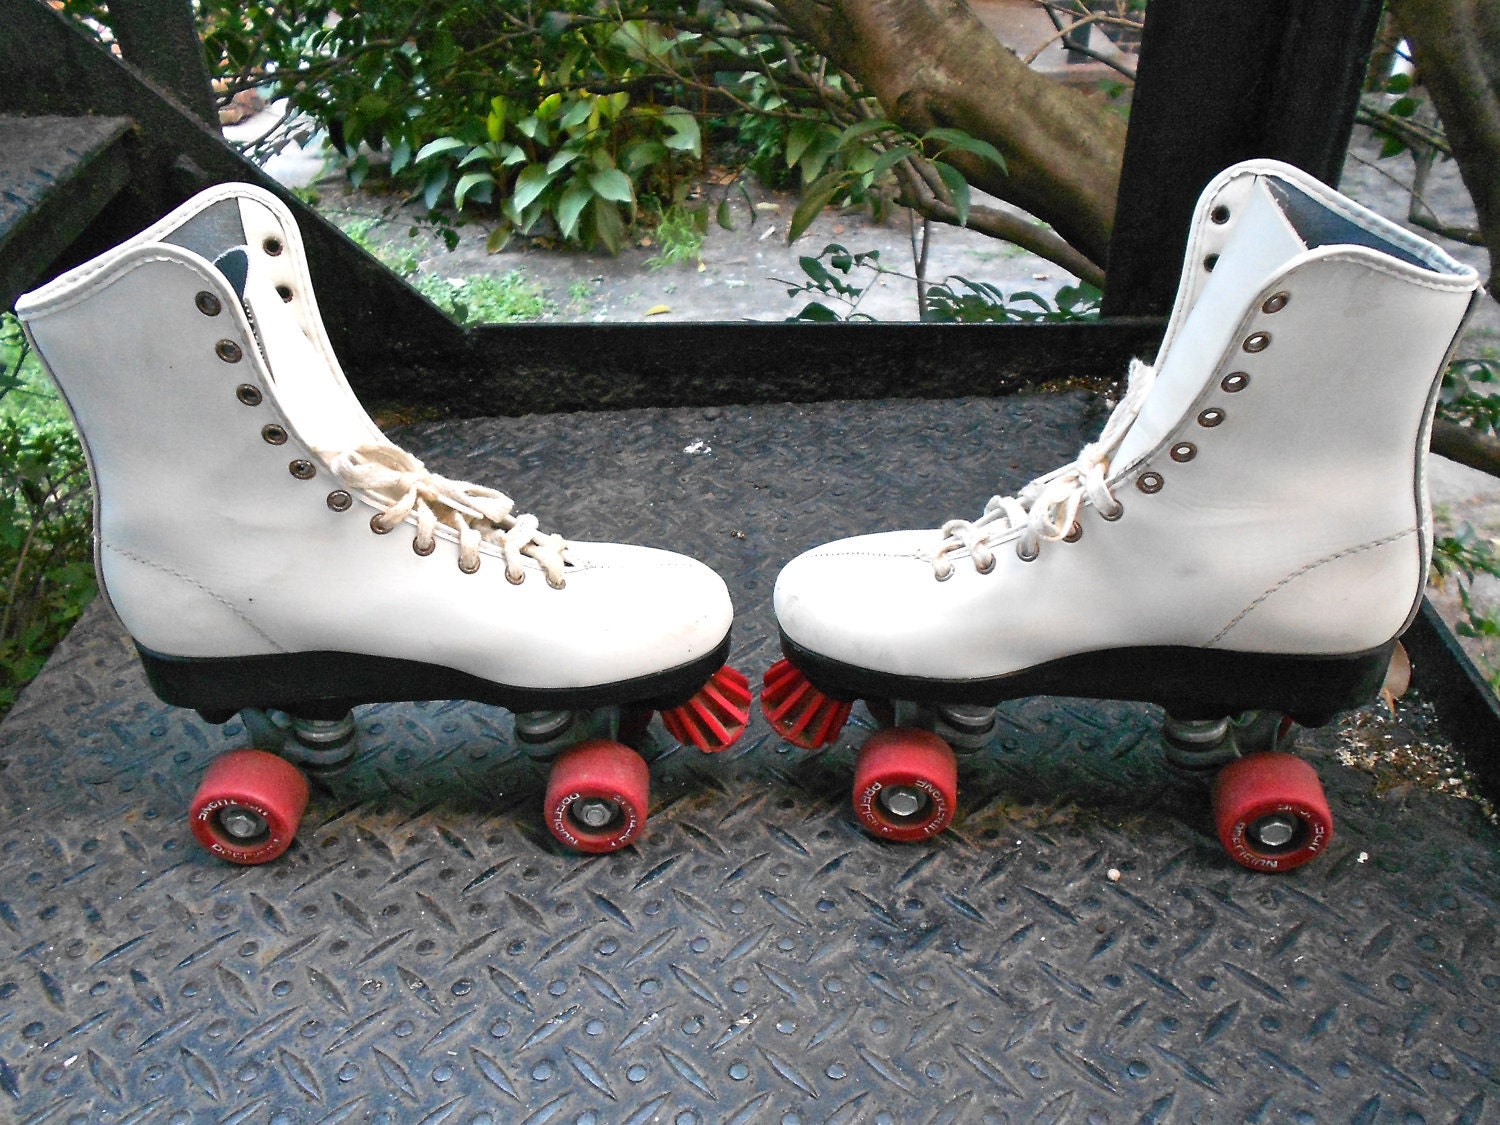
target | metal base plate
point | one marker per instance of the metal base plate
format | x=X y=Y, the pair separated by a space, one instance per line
x=1076 y=948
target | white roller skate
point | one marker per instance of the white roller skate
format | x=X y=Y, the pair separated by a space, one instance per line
x=1249 y=534
x=273 y=554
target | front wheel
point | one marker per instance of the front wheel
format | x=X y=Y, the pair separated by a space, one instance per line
x=248 y=806
x=1271 y=812
x=905 y=784
x=597 y=796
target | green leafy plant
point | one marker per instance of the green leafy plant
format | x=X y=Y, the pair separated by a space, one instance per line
x=46 y=557
x=1470 y=393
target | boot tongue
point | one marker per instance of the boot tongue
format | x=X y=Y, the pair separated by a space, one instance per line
x=1261 y=246
x=235 y=266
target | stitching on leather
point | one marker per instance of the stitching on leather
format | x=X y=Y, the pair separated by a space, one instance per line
x=152 y=564
x=1304 y=570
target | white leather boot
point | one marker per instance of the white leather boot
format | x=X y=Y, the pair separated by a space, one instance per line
x=269 y=549
x=1250 y=532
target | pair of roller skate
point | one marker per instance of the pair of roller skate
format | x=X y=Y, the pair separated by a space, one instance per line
x=1242 y=545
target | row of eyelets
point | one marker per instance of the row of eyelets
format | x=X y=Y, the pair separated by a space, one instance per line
x=1218 y=216
x=1233 y=383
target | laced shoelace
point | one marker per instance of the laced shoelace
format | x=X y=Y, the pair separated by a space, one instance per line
x=1047 y=508
x=478 y=514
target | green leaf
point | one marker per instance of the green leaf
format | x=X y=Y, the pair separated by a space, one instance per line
x=798 y=137
x=574 y=199
x=467 y=185
x=608 y=227
x=723 y=216
x=861 y=128
x=533 y=180
x=439 y=146
x=499 y=238
x=577 y=113
x=957 y=138
x=400 y=155
x=612 y=184
x=642 y=154
x=562 y=158
x=814 y=198
x=958 y=189
x=686 y=135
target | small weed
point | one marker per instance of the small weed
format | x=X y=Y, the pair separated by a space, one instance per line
x=680 y=236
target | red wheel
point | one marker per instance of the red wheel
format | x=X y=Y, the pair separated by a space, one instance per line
x=248 y=806
x=799 y=712
x=1271 y=812
x=714 y=719
x=905 y=784
x=596 y=796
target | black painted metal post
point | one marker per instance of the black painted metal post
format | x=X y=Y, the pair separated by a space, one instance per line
x=1221 y=81
x=160 y=39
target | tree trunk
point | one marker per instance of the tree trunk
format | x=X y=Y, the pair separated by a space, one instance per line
x=1456 y=44
x=932 y=63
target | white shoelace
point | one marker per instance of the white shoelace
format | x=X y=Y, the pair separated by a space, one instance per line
x=1047 y=508
x=478 y=514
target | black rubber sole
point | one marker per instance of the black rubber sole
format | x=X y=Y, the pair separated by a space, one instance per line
x=326 y=684
x=1191 y=683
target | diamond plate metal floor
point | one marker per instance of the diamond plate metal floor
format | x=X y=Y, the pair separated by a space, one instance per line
x=425 y=953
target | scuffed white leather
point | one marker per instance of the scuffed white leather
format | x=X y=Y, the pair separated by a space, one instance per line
x=1300 y=525
x=208 y=546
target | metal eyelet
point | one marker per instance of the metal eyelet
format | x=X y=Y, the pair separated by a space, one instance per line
x=208 y=304
x=1149 y=483
x=471 y=569
x=417 y=547
x=1210 y=418
x=1275 y=302
x=248 y=394
x=1257 y=342
x=1075 y=533
x=1234 y=382
x=560 y=584
x=1210 y=262
x=340 y=501
x=1184 y=451
x=379 y=528
x=272 y=246
x=273 y=434
x=1021 y=554
x=982 y=569
x=302 y=469
x=1219 y=215
x=1113 y=514
x=943 y=575
x=285 y=293
x=229 y=351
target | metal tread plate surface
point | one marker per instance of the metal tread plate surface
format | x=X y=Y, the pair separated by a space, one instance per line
x=1076 y=948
